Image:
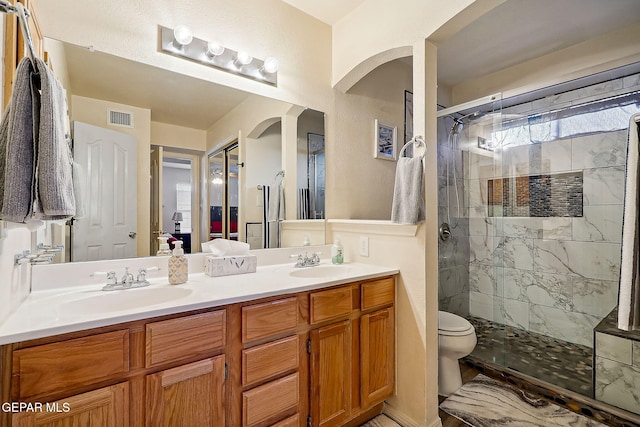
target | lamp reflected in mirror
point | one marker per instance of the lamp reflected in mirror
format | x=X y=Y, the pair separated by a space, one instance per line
x=177 y=218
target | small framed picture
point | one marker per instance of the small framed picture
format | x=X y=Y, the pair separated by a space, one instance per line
x=385 y=141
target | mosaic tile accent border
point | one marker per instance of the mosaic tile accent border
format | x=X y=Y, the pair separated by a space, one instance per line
x=538 y=196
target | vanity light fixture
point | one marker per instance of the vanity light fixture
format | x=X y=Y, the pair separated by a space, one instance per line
x=181 y=42
x=214 y=49
x=182 y=36
x=270 y=66
x=242 y=59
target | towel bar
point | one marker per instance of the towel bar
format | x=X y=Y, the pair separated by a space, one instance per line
x=417 y=140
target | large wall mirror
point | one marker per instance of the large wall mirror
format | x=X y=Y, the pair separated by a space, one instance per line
x=163 y=153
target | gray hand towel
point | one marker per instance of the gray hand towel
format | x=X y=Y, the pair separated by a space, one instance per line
x=54 y=159
x=17 y=147
x=408 y=193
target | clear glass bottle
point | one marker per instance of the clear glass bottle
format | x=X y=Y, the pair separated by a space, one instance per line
x=337 y=252
x=178 y=265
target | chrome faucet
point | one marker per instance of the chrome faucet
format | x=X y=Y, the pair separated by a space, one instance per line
x=304 y=260
x=128 y=281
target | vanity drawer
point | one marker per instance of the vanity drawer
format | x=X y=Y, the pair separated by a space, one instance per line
x=327 y=305
x=377 y=293
x=292 y=421
x=52 y=368
x=175 y=339
x=269 y=400
x=270 y=318
x=269 y=360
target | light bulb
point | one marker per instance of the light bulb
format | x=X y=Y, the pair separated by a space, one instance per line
x=214 y=49
x=243 y=58
x=270 y=65
x=183 y=35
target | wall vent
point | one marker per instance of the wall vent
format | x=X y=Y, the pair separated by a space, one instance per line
x=119 y=118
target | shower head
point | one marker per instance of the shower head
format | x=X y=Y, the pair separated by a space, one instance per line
x=457 y=127
x=458 y=123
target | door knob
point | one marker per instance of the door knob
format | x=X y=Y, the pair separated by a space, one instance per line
x=133 y=234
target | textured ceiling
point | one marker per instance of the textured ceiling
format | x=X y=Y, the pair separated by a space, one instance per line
x=328 y=11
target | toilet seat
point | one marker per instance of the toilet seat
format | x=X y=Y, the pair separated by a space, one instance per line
x=453 y=325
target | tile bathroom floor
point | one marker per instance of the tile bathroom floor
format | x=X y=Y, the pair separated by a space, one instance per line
x=558 y=362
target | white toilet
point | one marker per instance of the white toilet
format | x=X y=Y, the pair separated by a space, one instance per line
x=456 y=339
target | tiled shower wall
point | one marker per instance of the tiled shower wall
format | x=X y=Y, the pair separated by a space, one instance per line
x=557 y=276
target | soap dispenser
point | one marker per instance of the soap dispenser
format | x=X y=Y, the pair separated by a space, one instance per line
x=178 y=265
x=337 y=252
x=164 y=247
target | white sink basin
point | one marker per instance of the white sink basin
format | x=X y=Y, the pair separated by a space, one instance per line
x=320 y=271
x=130 y=299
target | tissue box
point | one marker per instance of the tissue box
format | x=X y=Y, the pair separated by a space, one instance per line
x=227 y=265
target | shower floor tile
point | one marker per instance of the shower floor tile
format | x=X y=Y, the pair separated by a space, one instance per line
x=561 y=363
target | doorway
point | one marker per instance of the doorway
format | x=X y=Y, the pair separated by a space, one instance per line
x=174 y=201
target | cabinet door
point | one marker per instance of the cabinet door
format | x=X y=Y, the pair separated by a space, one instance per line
x=105 y=407
x=331 y=374
x=377 y=354
x=189 y=395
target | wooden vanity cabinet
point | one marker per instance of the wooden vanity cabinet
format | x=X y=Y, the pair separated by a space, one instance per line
x=168 y=371
x=317 y=358
x=189 y=395
x=271 y=384
x=331 y=369
x=352 y=348
x=105 y=407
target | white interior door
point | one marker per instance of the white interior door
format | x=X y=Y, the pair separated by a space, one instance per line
x=107 y=160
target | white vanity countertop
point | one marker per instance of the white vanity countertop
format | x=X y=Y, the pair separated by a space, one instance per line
x=62 y=310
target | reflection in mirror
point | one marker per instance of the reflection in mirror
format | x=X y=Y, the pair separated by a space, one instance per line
x=179 y=202
x=105 y=223
x=311 y=165
x=171 y=112
x=263 y=179
x=223 y=193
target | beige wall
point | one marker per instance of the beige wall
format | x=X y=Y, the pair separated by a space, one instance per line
x=360 y=186
x=380 y=25
x=401 y=247
x=94 y=112
x=172 y=136
x=263 y=28
x=58 y=63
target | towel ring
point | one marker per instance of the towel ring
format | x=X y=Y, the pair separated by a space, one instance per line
x=417 y=140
